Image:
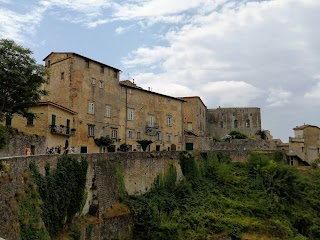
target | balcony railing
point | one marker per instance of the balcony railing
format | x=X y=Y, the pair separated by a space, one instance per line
x=292 y=139
x=153 y=129
x=62 y=130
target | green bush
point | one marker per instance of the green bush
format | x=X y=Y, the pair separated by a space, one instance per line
x=238 y=135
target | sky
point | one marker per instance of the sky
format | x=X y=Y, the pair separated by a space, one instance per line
x=231 y=53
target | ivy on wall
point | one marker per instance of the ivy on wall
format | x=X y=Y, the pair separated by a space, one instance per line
x=62 y=191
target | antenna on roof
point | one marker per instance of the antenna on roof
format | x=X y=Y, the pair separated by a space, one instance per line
x=133 y=80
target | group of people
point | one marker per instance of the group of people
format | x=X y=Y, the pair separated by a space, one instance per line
x=59 y=149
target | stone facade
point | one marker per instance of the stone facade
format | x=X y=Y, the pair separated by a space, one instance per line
x=304 y=147
x=150 y=116
x=52 y=121
x=107 y=107
x=221 y=121
x=194 y=123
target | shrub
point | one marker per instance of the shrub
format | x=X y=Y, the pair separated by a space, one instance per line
x=238 y=135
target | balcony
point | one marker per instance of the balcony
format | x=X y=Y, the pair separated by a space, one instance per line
x=62 y=130
x=299 y=140
x=153 y=129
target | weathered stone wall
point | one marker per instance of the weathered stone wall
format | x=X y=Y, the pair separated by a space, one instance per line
x=242 y=145
x=138 y=169
x=221 y=121
x=19 y=141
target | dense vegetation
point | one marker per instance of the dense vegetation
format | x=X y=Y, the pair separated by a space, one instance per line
x=262 y=197
x=49 y=203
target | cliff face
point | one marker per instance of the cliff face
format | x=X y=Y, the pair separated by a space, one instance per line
x=108 y=176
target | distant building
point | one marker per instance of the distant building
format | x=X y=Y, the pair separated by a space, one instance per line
x=221 y=121
x=304 y=147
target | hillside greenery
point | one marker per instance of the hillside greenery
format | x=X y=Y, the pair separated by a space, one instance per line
x=263 y=198
x=49 y=203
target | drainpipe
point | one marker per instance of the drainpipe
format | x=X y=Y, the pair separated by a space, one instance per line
x=126 y=123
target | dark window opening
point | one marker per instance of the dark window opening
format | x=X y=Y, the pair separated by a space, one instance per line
x=87 y=63
x=30 y=120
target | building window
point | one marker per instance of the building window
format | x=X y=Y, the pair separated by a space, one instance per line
x=48 y=63
x=53 y=119
x=91 y=108
x=168 y=137
x=123 y=89
x=108 y=111
x=150 y=121
x=93 y=81
x=101 y=84
x=130 y=114
x=221 y=124
x=114 y=133
x=90 y=130
x=115 y=73
x=130 y=133
x=62 y=76
x=169 y=120
x=101 y=69
x=86 y=62
x=138 y=135
x=30 y=120
x=68 y=126
x=247 y=123
x=235 y=123
x=158 y=136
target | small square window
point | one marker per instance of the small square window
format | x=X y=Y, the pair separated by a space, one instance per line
x=138 y=135
x=62 y=76
x=101 y=69
x=87 y=63
x=130 y=133
x=93 y=81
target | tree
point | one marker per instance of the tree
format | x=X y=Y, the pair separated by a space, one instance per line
x=20 y=80
x=144 y=144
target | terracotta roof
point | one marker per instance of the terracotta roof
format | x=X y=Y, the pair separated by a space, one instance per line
x=58 y=106
x=192 y=97
x=84 y=58
x=305 y=126
x=128 y=83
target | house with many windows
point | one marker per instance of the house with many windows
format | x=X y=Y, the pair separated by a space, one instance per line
x=87 y=101
x=304 y=147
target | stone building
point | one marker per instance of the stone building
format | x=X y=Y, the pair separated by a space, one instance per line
x=150 y=116
x=107 y=107
x=304 y=147
x=194 y=123
x=52 y=121
x=221 y=121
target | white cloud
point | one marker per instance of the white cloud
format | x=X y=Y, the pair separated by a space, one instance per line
x=229 y=93
x=278 y=97
x=16 y=26
x=314 y=93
